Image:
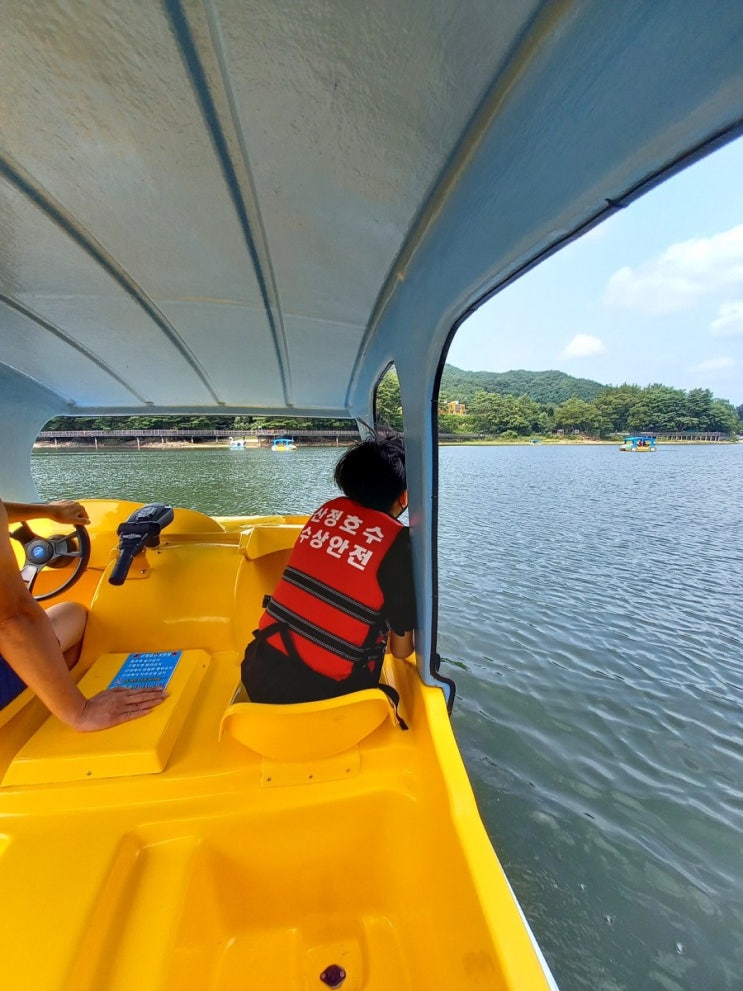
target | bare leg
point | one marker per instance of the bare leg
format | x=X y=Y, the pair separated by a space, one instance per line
x=68 y=620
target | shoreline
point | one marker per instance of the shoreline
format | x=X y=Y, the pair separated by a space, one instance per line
x=47 y=445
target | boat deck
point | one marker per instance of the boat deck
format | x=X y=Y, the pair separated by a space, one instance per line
x=217 y=843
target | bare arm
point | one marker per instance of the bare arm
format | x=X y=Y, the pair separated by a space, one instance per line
x=28 y=644
x=397 y=584
x=63 y=511
x=401 y=646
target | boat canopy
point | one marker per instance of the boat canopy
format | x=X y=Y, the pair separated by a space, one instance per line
x=215 y=206
x=256 y=207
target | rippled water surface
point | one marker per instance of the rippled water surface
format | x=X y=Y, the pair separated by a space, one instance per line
x=592 y=615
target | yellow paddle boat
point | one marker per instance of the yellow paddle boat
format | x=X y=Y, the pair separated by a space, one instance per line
x=256 y=209
x=220 y=843
x=640 y=444
x=283 y=444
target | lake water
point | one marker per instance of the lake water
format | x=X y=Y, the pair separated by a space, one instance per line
x=592 y=616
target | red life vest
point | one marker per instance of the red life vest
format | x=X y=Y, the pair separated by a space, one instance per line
x=328 y=603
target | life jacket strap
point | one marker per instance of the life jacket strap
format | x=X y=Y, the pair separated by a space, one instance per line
x=331 y=596
x=335 y=645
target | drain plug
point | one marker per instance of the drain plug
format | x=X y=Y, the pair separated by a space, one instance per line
x=333 y=976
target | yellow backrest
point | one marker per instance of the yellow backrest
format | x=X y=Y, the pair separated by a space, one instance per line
x=307 y=730
x=259 y=541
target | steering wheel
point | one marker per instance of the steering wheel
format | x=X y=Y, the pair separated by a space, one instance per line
x=55 y=551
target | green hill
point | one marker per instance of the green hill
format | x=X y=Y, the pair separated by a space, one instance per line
x=551 y=387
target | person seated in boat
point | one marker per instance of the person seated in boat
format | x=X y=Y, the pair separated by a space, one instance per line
x=347 y=591
x=38 y=647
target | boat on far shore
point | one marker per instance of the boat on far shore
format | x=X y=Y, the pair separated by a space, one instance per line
x=243 y=443
x=641 y=444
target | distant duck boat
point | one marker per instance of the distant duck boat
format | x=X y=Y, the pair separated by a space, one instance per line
x=243 y=443
x=283 y=444
x=641 y=444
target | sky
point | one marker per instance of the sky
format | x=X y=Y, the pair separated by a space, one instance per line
x=653 y=294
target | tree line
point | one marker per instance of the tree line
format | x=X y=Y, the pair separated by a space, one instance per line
x=233 y=424
x=619 y=409
x=504 y=404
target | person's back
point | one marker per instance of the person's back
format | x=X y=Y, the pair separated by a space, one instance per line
x=347 y=585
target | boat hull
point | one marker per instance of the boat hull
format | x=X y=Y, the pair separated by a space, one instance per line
x=215 y=844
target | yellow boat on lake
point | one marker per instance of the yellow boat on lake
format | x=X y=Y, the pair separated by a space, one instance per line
x=640 y=444
x=283 y=444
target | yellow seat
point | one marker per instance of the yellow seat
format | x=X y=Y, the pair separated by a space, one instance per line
x=262 y=539
x=307 y=730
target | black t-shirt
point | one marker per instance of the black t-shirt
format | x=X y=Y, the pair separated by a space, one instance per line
x=395 y=578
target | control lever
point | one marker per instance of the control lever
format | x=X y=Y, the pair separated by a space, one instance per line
x=142 y=529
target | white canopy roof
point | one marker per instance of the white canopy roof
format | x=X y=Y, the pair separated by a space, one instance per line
x=222 y=205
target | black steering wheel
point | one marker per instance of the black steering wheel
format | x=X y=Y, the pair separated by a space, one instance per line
x=56 y=551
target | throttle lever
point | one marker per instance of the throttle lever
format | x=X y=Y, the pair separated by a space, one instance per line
x=141 y=530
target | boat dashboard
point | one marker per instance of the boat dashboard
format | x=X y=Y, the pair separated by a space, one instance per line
x=193 y=587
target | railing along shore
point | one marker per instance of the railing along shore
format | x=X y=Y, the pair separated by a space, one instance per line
x=335 y=437
x=186 y=434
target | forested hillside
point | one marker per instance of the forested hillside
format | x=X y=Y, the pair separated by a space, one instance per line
x=543 y=387
x=492 y=411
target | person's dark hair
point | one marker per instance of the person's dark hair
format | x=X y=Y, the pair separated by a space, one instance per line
x=372 y=472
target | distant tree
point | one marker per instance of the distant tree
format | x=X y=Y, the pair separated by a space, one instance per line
x=243 y=423
x=388 y=401
x=659 y=408
x=576 y=414
x=488 y=412
x=698 y=409
x=615 y=403
x=532 y=414
x=452 y=423
x=723 y=416
x=492 y=413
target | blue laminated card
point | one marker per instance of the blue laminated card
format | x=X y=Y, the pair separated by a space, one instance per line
x=147 y=669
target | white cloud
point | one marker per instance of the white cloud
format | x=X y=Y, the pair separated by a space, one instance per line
x=680 y=275
x=729 y=320
x=582 y=346
x=714 y=365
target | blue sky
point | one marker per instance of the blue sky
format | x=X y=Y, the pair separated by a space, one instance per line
x=654 y=294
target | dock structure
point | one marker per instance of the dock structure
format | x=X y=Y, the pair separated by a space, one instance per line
x=709 y=436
